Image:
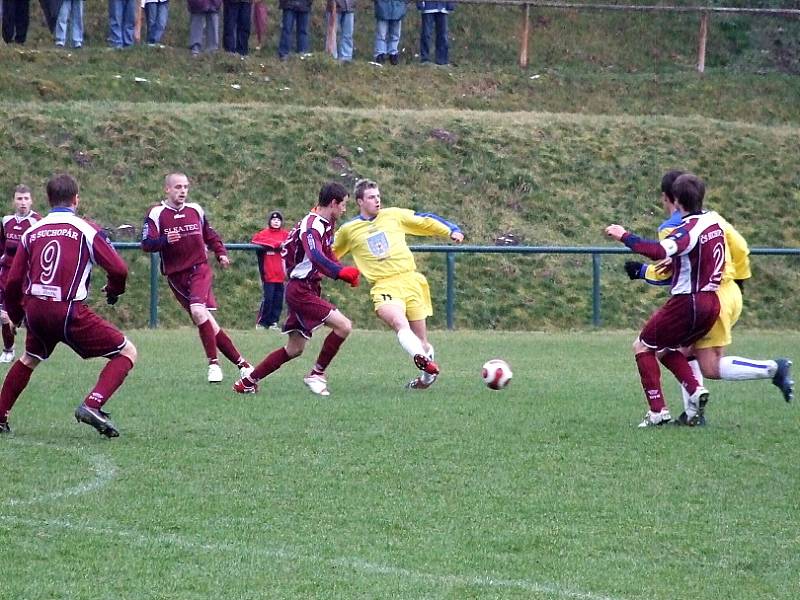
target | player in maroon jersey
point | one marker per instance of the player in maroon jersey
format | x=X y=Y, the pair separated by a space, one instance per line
x=308 y=256
x=50 y=277
x=697 y=246
x=180 y=232
x=13 y=226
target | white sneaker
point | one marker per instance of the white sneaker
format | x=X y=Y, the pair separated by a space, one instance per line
x=654 y=419
x=7 y=356
x=696 y=405
x=317 y=384
x=214 y=373
x=246 y=370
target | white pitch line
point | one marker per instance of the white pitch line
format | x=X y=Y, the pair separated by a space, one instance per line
x=104 y=471
x=355 y=564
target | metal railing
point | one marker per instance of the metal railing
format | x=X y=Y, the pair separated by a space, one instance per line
x=450 y=253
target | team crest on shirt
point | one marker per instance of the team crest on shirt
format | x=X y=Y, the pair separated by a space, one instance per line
x=378 y=244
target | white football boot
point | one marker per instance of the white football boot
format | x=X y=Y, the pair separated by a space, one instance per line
x=317 y=384
x=654 y=419
x=214 y=373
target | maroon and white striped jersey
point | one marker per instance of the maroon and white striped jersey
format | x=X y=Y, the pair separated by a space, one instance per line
x=55 y=257
x=697 y=248
x=195 y=231
x=307 y=252
x=10 y=234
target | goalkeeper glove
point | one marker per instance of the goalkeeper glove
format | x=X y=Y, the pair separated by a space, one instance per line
x=350 y=275
x=740 y=283
x=633 y=269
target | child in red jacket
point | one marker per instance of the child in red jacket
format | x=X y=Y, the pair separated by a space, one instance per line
x=270 y=266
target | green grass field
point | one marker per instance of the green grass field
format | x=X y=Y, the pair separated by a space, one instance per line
x=544 y=490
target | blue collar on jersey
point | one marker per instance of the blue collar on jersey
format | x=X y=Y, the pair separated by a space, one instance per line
x=63 y=209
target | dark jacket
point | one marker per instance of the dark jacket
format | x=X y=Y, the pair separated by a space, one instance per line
x=424 y=5
x=390 y=10
x=342 y=6
x=203 y=6
x=296 y=5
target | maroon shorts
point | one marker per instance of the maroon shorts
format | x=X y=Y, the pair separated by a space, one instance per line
x=683 y=320
x=193 y=286
x=73 y=323
x=307 y=310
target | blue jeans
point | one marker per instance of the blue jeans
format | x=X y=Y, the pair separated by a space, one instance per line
x=344 y=37
x=121 y=19
x=271 y=305
x=430 y=21
x=157 y=14
x=387 y=36
x=70 y=14
x=294 y=19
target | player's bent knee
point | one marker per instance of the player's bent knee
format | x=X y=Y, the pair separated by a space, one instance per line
x=130 y=352
x=344 y=328
x=4 y=318
x=639 y=347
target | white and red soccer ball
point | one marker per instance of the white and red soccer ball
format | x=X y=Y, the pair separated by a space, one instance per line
x=496 y=373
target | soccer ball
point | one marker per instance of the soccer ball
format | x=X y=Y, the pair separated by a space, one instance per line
x=496 y=373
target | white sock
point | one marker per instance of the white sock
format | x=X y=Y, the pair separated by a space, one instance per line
x=736 y=368
x=698 y=374
x=410 y=342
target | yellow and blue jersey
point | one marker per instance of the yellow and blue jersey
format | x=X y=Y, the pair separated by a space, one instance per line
x=379 y=246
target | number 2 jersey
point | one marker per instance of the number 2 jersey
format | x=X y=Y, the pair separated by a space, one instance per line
x=698 y=249
x=54 y=261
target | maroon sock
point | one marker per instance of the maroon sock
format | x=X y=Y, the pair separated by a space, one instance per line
x=207 y=338
x=271 y=363
x=329 y=349
x=16 y=380
x=111 y=377
x=8 y=336
x=678 y=364
x=226 y=346
x=650 y=375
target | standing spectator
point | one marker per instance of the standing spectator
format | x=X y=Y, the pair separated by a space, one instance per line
x=180 y=232
x=434 y=15
x=121 y=22
x=156 y=13
x=345 y=21
x=50 y=276
x=308 y=257
x=259 y=20
x=204 y=25
x=16 y=18
x=270 y=266
x=50 y=13
x=296 y=16
x=70 y=16
x=388 y=26
x=236 y=26
x=14 y=226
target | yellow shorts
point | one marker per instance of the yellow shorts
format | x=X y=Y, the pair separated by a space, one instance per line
x=409 y=290
x=730 y=309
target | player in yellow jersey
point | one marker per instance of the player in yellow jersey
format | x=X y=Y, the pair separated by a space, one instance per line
x=376 y=238
x=707 y=356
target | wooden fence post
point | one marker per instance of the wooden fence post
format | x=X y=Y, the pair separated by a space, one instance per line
x=701 y=45
x=330 y=34
x=525 y=32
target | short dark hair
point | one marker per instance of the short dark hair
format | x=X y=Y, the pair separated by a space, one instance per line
x=668 y=180
x=689 y=190
x=362 y=185
x=61 y=189
x=332 y=192
x=22 y=189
